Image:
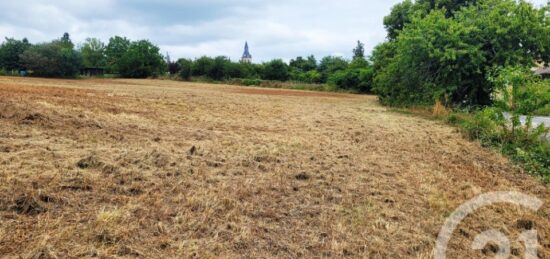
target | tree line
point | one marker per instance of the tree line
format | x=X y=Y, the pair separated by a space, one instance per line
x=141 y=59
x=60 y=58
x=355 y=75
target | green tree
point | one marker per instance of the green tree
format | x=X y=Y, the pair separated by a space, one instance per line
x=185 y=66
x=359 y=51
x=117 y=47
x=330 y=64
x=53 y=59
x=276 y=70
x=218 y=68
x=202 y=65
x=66 y=41
x=10 y=52
x=355 y=79
x=143 y=59
x=450 y=57
x=93 y=53
x=401 y=14
x=304 y=65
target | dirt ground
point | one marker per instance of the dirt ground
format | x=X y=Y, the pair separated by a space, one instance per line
x=164 y=169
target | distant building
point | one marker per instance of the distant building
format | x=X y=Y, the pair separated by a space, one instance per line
x=247 y=58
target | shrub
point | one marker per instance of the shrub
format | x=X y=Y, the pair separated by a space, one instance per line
x=524 y=144
x=250 y=82
x=518 y=90
x=358 y=79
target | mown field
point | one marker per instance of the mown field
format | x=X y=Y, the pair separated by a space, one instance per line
x=145 y=168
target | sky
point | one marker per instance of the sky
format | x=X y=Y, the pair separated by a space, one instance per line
x=189 y=29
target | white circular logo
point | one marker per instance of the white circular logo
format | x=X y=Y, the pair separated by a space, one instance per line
x=529 y=238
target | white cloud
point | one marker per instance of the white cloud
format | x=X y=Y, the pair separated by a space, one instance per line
x=274 y=29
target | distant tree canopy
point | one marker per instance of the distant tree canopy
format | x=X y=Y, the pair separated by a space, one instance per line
x=276 y=70
x=359 y=51
x=304 y=65
x=54 y=59
x=142 y=59
x=116 y=48
x=93 y=53
x=10 y=52
x=449 y=54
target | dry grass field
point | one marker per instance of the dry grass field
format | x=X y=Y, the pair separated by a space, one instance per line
x=163 y=169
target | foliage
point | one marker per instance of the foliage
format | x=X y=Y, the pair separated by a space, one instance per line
x=312 y=77
x=519 y=90
x=304 y=65
x=185 y=66
x=359 y=79
x=522 y=143
x=217 y=69
x=202 y=65
x=276 y=70
x=55 y=59
x=359 y=51
x=330 y=64
x=401 y=14
x=10 y=52
x=141 y=60
x=438 y=56
x=93 y=53
x=250 y=82
x=117 y=47
x=500 y=126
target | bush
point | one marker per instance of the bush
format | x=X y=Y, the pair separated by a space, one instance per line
x=250 y=82
x=358 y=79
x=524 y=144
x=518 y=90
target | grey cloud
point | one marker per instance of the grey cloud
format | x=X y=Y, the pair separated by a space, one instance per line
x=274 y=29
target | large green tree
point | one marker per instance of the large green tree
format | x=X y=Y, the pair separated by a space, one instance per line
x=115 y=50
x=438 y=56
x=142 y=59
x=276 y=70
x=54 y=59
x=304 y=64
x=93 y=53
x=331 y=64
x=10 y=52
x=403 y=13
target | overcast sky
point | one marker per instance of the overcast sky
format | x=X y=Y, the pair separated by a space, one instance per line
x=274 y=28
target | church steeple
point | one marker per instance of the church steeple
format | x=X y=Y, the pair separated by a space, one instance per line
x=247 y=58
